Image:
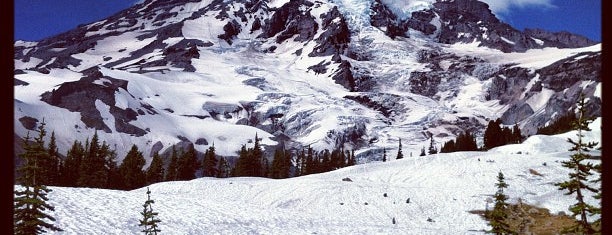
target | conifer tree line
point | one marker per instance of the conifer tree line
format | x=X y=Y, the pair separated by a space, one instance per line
x=494 y=135
x=464 y=142
x=93 y=163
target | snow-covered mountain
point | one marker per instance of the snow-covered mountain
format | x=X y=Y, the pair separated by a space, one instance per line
x=358 y=73
x=443 y=188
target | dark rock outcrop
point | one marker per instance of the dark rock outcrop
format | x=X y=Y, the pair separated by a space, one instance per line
x=289 y=20
x=335 y=37
x=80 y=96
x=383 y=18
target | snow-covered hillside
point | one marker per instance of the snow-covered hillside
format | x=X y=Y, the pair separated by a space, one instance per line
x=358 y=74
x=442 y=187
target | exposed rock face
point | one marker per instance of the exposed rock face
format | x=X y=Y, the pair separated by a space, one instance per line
x=560 y=39
x=231 y=29
x=421 y=21
x=508 y=84
x=469 y=20
x=81 y=96
x=466 y=20
x=290 y=20
x=29 y=123
x=566 y=72
x=335 y=37
x=384 y=77
x=383 y=18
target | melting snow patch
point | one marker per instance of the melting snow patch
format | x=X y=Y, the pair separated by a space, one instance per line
x=538 y=41
x=598 y=90
x=539 y=100
x=507 y=41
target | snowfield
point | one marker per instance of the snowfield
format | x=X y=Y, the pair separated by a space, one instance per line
x=442 y=187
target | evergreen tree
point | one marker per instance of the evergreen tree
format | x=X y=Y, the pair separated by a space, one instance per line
x=257 y=158
x=131 y=169
x=72 y=164
x=517 y=137
x=448 y=147
x=276 y=164
x=432 y=147
x=384 y=154
x=422 y=151
x=243 y=167
x=466 y=142
x=507 y=136
x=52 y=166
x=172 y=167
x=286 y=164
x=223 y=168
x=30 y=201
x=309 y=168
x=149 y=220
x=399 y=151
x=187 y=165
x=498 y=216
x=561 y=125
x=209 y=163
x=113 y=176
x=577 y=183
x=300 y=163
x=155 y=172
x=493 y=136
x=93 y=172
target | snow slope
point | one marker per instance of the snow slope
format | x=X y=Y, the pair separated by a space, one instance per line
x=443 y=187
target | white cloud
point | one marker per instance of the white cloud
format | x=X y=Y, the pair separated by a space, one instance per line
x=138 y=2
x=504 y=6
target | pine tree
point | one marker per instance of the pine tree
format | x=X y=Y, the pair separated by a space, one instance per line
x=517 y=137
x=131 y=169
x=384 y=155
x=257 y=158
x=155 y=172
x=276 y=164
x=399 y=151
x=72 y=164
x=52 y=162
x=498 y=216
x=149 y=222
x=493 y=135
x=113 y=176
x=209 y=163
x=577 y=183
x=466 y=142
x=432 y=147
x=93 y=172
x=242 y=165
x=422 y=152
x=286 y=164
x=352 y=160
x=31 y=201
x=187 y=164
x=171 y=172
x=448 y=147
x=223 y=168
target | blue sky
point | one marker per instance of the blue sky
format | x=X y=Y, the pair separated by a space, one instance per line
x=38 y=19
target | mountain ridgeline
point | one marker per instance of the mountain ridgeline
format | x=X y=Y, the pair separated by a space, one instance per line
x=325 y=74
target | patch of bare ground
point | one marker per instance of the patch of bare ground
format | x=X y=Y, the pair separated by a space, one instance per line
x=532 y=220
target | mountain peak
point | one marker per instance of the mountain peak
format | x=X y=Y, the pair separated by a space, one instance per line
x=360 y=74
